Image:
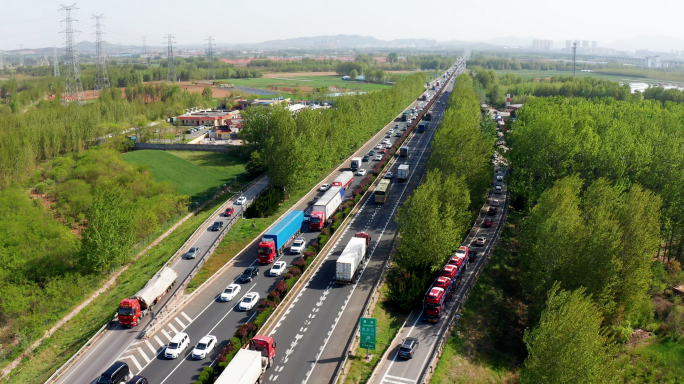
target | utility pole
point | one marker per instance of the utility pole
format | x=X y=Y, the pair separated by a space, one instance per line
x=101 y=78
x=211 y=73
x=2 y=64
x=21 y=55
x=574 y=57
x=55 y=62
x=170 y=69
x=73 y=85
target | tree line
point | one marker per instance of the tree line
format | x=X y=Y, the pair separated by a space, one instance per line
x=295 y=150
x=52 y=130
x=599 y=182
x=435 y=218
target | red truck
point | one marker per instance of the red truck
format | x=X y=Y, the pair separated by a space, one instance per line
x=250 y=364
x=437 y=296
x=344 y=179
x=132 y=309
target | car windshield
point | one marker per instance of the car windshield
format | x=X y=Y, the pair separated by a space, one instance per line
x=277 y=266
x=247 y=299
x=103 y=380
x=125 y=311
x=173 y=345
x=298 y=242
x=228 y=290
x=247 y=272
x=201 y=346
x=193 y=250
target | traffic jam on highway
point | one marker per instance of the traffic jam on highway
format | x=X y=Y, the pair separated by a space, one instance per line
x=192 y=337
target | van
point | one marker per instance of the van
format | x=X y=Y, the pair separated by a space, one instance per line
x=117 y=373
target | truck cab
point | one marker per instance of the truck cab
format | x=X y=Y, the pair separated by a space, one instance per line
x=267 y=346
x=433 y=304
x=129 y=312
x=266 y=250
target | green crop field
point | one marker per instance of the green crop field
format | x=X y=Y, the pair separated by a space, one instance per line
x=193 y=173
x=307 y=82
x=546 y=74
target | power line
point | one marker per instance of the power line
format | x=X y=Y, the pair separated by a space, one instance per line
x=73 y=86
x=171 y=68
x=211 y=74
x=101 y=78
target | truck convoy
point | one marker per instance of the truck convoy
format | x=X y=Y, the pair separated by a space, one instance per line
x=356 y=163
x=344 y=179
x=439 y=294
x=403 y=172
x=132 y=309
x=353 y=255
x=403 y=151
x=249 y=364
x=325 y=208
x=274 y=240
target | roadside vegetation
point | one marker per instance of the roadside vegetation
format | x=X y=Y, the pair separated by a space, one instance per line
x=592 y=251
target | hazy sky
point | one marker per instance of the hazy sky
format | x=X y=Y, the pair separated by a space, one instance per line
x=36 y=23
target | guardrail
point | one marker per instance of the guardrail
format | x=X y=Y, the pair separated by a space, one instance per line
x=350 y=343
x=429 y=369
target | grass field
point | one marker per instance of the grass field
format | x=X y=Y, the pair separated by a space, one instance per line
x=546 y=74
x=305 y=83
x=193 y=173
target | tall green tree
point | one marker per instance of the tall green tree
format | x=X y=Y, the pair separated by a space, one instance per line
x=108 y=239
x=569 y=345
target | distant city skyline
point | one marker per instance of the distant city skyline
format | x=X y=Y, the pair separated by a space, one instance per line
x=36 y=24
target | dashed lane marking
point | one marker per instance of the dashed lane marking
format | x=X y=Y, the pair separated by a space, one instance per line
x=186 y=316
x=154 y=351
x=180 y=322
x=158 y=340
x=144 y=356
x=173 y=328
x=135 y=361
x=401 y=378
x=166 y=334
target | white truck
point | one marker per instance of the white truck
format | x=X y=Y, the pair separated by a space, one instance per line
x=245 y=368
x=356 y=163
x=347 y=266
x=403 y=172
x=325 y=207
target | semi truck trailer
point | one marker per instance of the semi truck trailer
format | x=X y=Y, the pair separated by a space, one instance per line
x=344 y=179
x=132 y=309
x=403 y=172
x=325 y=208
x=249 y=364
x=348 y=264
x=274 y=240
x=355 y=163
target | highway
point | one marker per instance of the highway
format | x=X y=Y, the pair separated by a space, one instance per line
x=204 y=314
x=395 y=370
x=117 y=339
x=313 y=332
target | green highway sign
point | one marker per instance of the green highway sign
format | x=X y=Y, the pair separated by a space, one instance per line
x=369 y=328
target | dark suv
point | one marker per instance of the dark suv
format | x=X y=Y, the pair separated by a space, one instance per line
x=408 y=347
x=217 y=226
x=115 y=374
x=249 y=274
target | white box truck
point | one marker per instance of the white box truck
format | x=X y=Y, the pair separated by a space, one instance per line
x=403 y=172
x=356 y=163
x=245 y=368
x=347 y=266
x=325 y=207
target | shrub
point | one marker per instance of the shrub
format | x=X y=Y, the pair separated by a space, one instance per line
x=287 y=276
x=290 y=282
x=339 y=216
x=322 y=239
x=264 y=314
x=325 y=231
x=336 y=225
x=245 y=331
x=266 y=204
x=281 y=287
x=296 y=271
x=273 y=295
x=221 y=366
x=309 y=253
x=347 y=211
x=300 y=262
x=203 y=377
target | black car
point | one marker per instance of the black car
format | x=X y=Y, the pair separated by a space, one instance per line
x=492 y=210
x=138 y=380
x=365 y=158
x=371 y=153
x=115 y=374
x=249 y=274
x=472 y=255
x=408 y=347
x=217 y=226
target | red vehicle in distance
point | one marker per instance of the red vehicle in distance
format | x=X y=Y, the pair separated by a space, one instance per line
x=229 y=212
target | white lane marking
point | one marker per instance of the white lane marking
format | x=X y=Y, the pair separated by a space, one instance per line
x=401 y=378
x=180 y=322
x=75 y=368
x=159 y=340
x=389 y=368
x=395 y=382
x=147 y=359
x=135 y=361
x=154 y=351
x=166 y=334
x=186 y=316
x=173 y=328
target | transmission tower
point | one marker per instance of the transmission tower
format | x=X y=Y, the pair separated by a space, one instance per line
x=55 y=62
x=170 y=69
x=211 y=74
x=574 y=57
x=73 y=86
x=2 y=64
x=101 y=78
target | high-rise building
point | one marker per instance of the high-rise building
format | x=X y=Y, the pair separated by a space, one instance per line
x=594 y=44
x=542 y=45
x=568 y=45
x=585 y=44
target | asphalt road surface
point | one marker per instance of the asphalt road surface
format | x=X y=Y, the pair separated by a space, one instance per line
x=116 y=341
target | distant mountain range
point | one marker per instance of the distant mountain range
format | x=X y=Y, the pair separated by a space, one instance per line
x=338 y=41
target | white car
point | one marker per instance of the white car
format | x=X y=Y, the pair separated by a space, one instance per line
x=249 y=301
x=361 y=172
x=499 y=178
x=495 y=203
x=386 y=141
x=193 y=252
x=379 y=146
x=204 y=346
x=277 y=268
x=177 y=345
x=298 y=245
x=497 y=189
x=388 y=145
x=391 y=131
x=378 y=157
x=324 y=187
x=241 y=200
x=230 y=292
